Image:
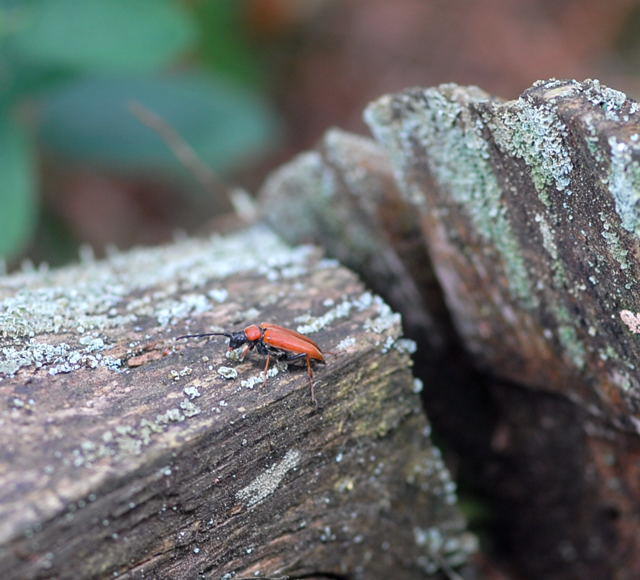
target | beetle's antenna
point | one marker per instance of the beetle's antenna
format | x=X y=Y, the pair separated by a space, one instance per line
x=227 y=334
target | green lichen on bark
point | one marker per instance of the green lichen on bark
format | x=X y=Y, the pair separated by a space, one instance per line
x=550 y=184
x=533 y=132
x=438 y=124
x=624 y=181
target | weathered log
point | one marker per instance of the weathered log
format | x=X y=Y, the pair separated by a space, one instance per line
x=125 y=452
x=530 y=210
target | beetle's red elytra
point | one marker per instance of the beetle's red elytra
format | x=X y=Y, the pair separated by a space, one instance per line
x=274 y=341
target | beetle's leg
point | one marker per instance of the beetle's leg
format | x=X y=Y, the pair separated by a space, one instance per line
x=266 y=368
x=309 y=369
x=245 y=351
x=311 y=386
x=297 y=356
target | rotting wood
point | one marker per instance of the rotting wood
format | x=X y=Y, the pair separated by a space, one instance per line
x=530 y=212
x=126 y=453
x=542 y=192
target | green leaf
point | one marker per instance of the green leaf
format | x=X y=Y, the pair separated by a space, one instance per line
x=17 y=196
x=90 y=121
x=224 y=44
x=107 y=35
x=20 y=77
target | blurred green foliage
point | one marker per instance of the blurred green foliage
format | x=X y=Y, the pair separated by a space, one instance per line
x=90 y=120
x=225 y=47
x=103 y=35
x=17 y=203
x=69 y=69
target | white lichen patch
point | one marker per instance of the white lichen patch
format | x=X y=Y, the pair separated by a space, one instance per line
x=573 y=346
x=168 y=312
x=100 y=297
x=549 y=244
x=406 y=345
x=192 y=392
x=177 y=375
x=218 y=294
x=438 y=549
x=385 y=320
x=254 y=380
x=58 y=358
x=614 y=103
x=125 y=440
x=315 y=324
x=342 y=310
x=624 y=183
x=228 y=372
x=235 y=355
x=388 y=344
x=432 y=476
x=189 y=408
x=269 y=480
x=614 y=243
x=442 y=551
x=534 y=133
x=32 y=354
x=631 y=320
x=251 y=382
x=623 y=380
x=346 y=343
x=548 y=238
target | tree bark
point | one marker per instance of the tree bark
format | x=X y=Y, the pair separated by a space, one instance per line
x=128 y=453
x=530 y=212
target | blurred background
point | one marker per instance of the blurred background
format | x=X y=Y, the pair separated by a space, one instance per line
x=247 y=84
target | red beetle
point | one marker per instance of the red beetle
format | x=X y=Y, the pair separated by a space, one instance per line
x=274 y=341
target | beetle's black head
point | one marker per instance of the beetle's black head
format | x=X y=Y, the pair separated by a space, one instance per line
x=237 y=339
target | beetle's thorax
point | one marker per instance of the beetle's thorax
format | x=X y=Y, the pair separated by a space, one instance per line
x=253 y=332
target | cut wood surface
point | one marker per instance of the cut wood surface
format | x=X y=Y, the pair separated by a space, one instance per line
x=128 y=453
